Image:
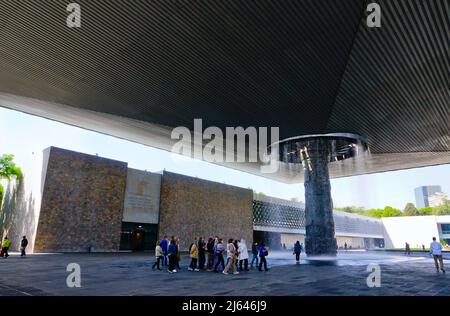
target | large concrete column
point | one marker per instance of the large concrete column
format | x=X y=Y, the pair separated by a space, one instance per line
x=320 y=238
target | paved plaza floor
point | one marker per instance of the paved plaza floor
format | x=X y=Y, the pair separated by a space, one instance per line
x=131 y=274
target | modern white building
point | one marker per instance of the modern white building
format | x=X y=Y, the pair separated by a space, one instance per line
x=415 y=230
x=283 y=222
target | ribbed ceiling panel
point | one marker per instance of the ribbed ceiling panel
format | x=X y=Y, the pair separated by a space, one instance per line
x=396 y=87
x=252 y=62
x=308 y=66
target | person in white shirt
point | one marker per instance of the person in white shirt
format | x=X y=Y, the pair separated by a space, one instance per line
x=243 y=255
x=436 y=252
x=158 y=255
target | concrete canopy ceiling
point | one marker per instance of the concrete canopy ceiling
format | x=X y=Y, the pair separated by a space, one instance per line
x=136 y=69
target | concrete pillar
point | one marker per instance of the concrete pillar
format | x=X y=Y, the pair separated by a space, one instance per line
x=320 y=238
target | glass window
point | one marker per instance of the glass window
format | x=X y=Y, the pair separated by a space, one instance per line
x=445 y=228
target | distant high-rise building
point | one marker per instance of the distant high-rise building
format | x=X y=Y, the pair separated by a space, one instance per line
x=423 y=193
x=437 y=199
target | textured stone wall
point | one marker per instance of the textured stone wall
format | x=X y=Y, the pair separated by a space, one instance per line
x=194 y=207
x=82 y=203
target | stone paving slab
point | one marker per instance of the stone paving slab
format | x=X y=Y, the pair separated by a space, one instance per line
x=131 y=274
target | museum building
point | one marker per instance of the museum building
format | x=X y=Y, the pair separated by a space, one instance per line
x=95 y=204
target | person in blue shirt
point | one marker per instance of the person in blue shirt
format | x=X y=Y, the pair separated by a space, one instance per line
x=164 y=250
x=263 y=253
x=172 y=252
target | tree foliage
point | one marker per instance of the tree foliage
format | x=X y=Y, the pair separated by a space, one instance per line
x=8 y=168
x=425 y=211
x=410 y=210
x=443 y=209
x=388 y=211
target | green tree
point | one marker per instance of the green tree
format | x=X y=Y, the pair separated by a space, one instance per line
x=374 y=212
x=425 y=211
x=410 y=210
x=389 y=211
x=443 y=209
x=8 y=169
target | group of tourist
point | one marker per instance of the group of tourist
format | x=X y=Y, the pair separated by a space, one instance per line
x=210 y=255
x=6 y=243
x=167 y=253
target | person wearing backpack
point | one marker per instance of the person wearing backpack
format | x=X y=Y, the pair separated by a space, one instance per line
x=263 y=253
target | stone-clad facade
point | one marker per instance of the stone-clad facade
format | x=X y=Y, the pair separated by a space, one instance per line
x=82 y=203
x=193 y=207
x=89 y=202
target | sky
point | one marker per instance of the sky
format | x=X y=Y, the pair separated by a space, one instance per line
x=24 y=135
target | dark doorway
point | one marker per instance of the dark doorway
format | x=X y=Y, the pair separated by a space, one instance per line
x=138 y=237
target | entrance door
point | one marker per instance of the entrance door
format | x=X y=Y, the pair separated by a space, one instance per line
x=138 y=237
